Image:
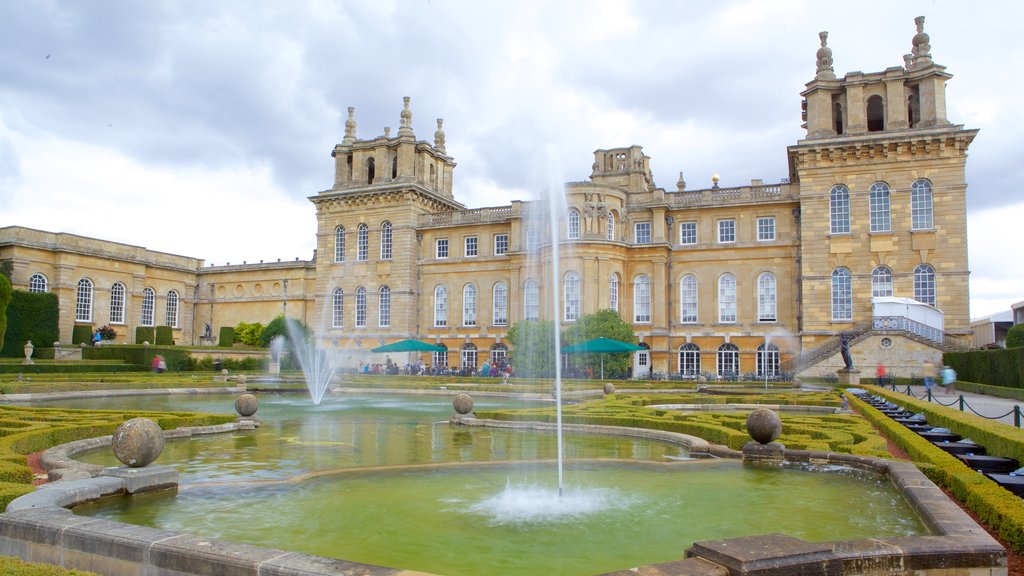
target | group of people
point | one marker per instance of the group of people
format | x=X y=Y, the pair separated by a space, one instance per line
x=930 y=371
x=159 y=364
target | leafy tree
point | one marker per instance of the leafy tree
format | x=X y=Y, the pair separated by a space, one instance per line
x=601 y=324
x=1015 y=336
x=249 y=334
x=277 y=327
x=533 y=347
x=6 y=291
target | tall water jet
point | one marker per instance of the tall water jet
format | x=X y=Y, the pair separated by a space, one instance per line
x=318 y=365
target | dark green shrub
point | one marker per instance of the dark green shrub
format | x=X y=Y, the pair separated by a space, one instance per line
x=227 y=336
x=145 y=334
x=164 y=336
x=141 y=357
x=1015 y=336
x=6 y=290
x=995 y=367
x=31 y=316
x=81 y=334
x=277 y=327
x=248 y=334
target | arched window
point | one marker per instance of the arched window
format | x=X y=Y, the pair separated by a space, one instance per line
x=440 y=306
x=611 y=225
x=499 y=354
x=572 y=296
x=766 y=307
x=881 y=282
x=441 y=357
x=914 y=107
x=394 y=167
x=767 y=360
x=469 y=354
x=371 y=170
x=689 y=360
x=642 y=299
x=37 y=283
x=171 y=315
x=338 y=315
x=839 y=209
x=837 y=117
x=339 y=244
x=363 y=242
x=726 y=298
x=384 y=307
x=924 y=284
x=613 y=292
x=360 y=307
x=878 y=207
x=499 y=305
x=876 y=114
x=469 y=305
x=531 y=300
x=921 y=205
x=574 y=225
x=688 y=299
x=117 y=294
x=83 y=301
x=728 y=361
x=148 y=305
x=385 y=241
x=842 y=294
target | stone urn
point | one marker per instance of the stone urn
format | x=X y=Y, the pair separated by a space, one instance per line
x=29 y=348
x=138 y=442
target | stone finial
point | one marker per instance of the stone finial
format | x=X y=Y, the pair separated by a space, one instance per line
x=681 y=184
x=825 y=69
x=908 y=61
x=387 y=131
x=439 y=136
x=350 y=127
x=405 y=128
x=922 y=50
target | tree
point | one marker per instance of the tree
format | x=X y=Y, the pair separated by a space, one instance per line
x=533 y=347
x=249 y=334
x=601 y=324
x=6 y=291
x=277 y=327
x=1015 y=336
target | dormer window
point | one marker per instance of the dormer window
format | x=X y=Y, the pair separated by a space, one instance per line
x=876 y=114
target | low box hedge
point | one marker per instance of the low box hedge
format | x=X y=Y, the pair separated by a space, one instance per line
x=81 y=334
x=164 y=336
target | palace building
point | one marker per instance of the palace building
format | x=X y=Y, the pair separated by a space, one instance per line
x=867 y=238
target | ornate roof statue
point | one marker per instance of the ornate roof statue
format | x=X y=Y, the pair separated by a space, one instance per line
x=922 y=49
x=350 y=127
x=406 y=126
x=681 y=184
x=439 y=136
x=825 y=70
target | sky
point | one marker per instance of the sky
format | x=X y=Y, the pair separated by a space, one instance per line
x=202 y=128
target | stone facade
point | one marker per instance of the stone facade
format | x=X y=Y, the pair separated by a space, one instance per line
x=874 y=205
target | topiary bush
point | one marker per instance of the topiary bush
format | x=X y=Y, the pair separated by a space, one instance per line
x=226 y=337
x=81 y=334
x=1015 y=336
x=145 y=334
x=164 y=336
x=30 y=316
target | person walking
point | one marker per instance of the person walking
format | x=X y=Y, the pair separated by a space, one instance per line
x=948 y=378
x=880 y=375
x=929 y=372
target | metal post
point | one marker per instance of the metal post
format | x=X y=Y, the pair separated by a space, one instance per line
x=1016 y=415
x=927 y=393
x=961 y=402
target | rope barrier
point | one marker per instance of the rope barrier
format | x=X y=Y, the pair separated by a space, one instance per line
x=963 y=406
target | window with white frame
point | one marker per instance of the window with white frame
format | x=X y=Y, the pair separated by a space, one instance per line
x=728 y=361
x=767 y=360
x=574 y=225
x=469 y=305
x=613 y=292
x=470 y=246
x=688 y=233
x=531 y=300
x=572 y=296
x=881 y=282
x=171 y=315
x=921 y=205
x=766 y=298
x=441 y=357
x=499 y=354
x=440 y=306
x=839 y=209
x=469 y=355
x=360 y=307
x=765 y=228
x=441 y=252
x=689 y=360
x=642 y=233
x=117 y=298
x=339 y=244
x=500 y=244
x=642 y=299
x=384 y=307
x=879 y=208
x=726 y=231
x=385 y=241
x=611 y=226
x=37 y=283
x=499 y=303
x=924 y=284
x=727 y=298
x=842 y=294
x=83 y=301
x=688 y=299
x=532 y=236
x=363 y=243
x=148 y=306
x=338 y=311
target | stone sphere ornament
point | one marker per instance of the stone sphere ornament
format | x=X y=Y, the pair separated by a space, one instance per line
x=246 y=405
x=138 y=442
x=764 y=425
x=463 y=403
x=609 y=388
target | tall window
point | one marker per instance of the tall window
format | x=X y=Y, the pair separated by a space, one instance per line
x=687 y=232
x=469 y=355
x=642 y=299
x=363 y=243
x=727 y=298
x=842 y=294
x=500 y=244
x=611 y=226
x=613 y=292
x=574 y=225
x=532 y=236
x=384 y=307
x=726 y=231
x=442 y=248
x=924 y=284
x=83 y=301
x=37 y=283
x=766 y=228
x=339 y=244
x=338 y=315
x=440 y=306
x=642 y=233
x=172 y=309
x=572 y=296
x=470 y=247
x=360 y=307
x=839 y=209
x=688 y=299
x=469 y=305
x=531 y=300
x=881 y=282
x=767 y=360
x=441 y=358
x=148 y=305
x=385 y=241
x=766 y=308
x=117 y=293
x=878 y=207
x=499 y=354
x=728 y=361
x=689 y=359
x=921 y=205
x=499 y=303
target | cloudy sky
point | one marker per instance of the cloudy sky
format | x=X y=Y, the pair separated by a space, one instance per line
x=200 y=128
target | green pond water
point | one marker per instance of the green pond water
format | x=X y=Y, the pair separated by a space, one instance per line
x=385 y=480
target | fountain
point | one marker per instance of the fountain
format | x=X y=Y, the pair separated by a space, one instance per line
x=318 y=365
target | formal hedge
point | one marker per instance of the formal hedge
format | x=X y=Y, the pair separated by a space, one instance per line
x=81 y=334
x=10 y=566
x=164 y=336
x=68 y=368
x=227 y=336
x=1002 y=367
x=142 y=356
x=30 y=316
x=145 y=334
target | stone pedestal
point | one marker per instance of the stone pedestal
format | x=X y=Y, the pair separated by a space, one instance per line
x=757 y=452
x=145 y=479
x=848 y=377
x=274 y=369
